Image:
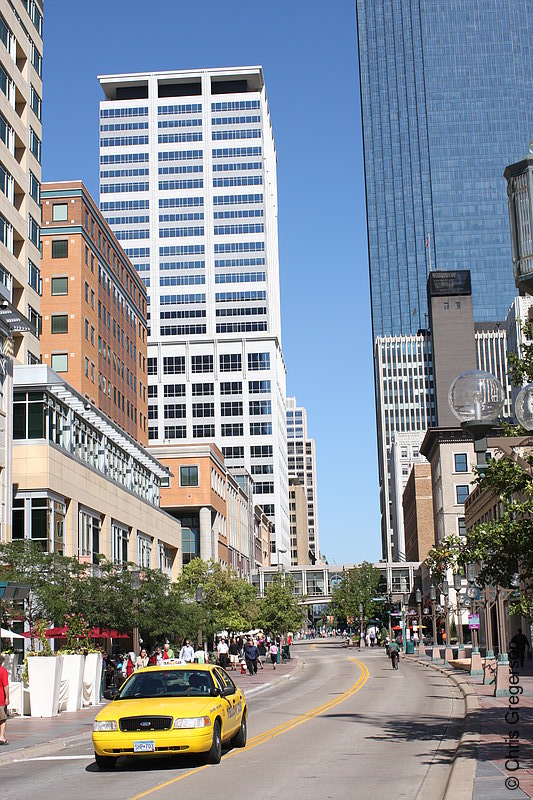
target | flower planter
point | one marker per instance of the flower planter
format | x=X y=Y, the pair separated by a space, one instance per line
x=92 y=679
x=44 y=675
x=72 y=674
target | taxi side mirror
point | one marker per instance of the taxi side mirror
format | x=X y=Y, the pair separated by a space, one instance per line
x=227 y=690
x=215 y=691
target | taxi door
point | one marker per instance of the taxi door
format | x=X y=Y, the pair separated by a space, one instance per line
x=231 y=701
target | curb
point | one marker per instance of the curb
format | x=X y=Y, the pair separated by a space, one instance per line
x=460 y=783
x=51 y=746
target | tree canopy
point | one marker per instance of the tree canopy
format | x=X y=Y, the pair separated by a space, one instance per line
x=358 y=586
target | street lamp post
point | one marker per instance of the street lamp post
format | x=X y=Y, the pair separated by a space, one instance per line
x=405 y=610
x=418 y=598
x=457 y=583
x=136 y=585
x=199 y=596
x=445 y=587
x=361 y=638
x=433 y=599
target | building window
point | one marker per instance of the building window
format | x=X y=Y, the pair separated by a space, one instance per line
x=59 y=362
x=36 y=319
x=230 y=362
x=119 y=543
x=60 y=212
x=461 y=493
x=152 y=366
x=34 y=232
x=60 y=248
x=144 y=551
x=189 y=476
x=202 y=363
x=258 y=361
x=203 y=431
x=89 y=528
x=173 y=365
x=59 y=286
x=59 y=323
x=461 y=462
x=461 y=526
x=34 y=277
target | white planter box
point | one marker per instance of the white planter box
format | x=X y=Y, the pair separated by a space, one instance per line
x=72 y=675
x=44 y=674
x=92 y=679
x=11 y=663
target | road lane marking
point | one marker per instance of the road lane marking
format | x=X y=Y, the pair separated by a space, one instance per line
x=273 y=732
x=54 y=758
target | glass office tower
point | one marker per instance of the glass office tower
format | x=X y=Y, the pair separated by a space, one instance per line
x=444 y=88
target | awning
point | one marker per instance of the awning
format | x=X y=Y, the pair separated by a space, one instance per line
x=5 y=634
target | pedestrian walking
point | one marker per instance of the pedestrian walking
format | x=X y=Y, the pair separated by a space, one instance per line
x=187 y=652
x=128 y=665
x=273 y=650
x=234 y=653
x=251 y=654
x=261 y=649
x=4 y=700
x=518 y=645
x=222 y=650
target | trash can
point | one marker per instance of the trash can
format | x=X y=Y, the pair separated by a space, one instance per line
x=409 y=647
x=285 y=652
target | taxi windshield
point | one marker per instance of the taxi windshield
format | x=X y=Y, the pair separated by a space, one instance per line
x=167 y=683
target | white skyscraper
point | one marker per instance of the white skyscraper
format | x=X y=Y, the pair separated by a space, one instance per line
x=188 y=185
x=302 y=465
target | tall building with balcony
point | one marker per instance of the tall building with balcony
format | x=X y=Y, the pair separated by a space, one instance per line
x=94 y=308
x=302 y=466
x=188 y=186
x=21 y=62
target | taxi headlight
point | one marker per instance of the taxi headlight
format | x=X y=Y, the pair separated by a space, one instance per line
x=192 y=722
x=100 y=725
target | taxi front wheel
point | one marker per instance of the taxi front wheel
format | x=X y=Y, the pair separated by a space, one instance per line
x=215 y=753
x=105 y=762
x=239 y=740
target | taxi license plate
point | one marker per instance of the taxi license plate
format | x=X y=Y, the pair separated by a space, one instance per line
x=144 y=746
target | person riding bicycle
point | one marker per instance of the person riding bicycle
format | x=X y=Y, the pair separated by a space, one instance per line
x=394 y=653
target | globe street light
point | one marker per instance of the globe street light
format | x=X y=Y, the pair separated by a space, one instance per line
x=476 y=398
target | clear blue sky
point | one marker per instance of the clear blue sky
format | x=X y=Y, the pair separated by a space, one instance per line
x=308 y=52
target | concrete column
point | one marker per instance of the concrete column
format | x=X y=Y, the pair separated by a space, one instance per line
x=206 y=548
x=476 y=665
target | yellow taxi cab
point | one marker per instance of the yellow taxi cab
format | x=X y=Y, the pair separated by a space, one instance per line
x=168 y=710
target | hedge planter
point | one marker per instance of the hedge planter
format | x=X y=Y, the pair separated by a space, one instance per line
x=92 y=679
x=72 y=674
x=44 y=676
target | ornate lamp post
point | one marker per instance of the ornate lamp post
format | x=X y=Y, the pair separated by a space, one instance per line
x=136 y=585
x=199 y=596
x=405 y=610
x=418 y=598
x=457 y=583
x=361 y=637
x=433 y=599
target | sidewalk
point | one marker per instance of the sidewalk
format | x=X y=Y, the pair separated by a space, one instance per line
x=505 y=750
x=30 y=737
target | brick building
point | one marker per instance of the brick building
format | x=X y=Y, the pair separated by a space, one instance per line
x=93 y=308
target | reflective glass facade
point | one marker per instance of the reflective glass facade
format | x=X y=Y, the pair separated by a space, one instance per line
x=443 y=88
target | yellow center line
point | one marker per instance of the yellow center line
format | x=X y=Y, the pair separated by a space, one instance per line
x=277 y=731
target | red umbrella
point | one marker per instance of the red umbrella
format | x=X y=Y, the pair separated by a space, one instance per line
x=397 y=628
x=102 y=633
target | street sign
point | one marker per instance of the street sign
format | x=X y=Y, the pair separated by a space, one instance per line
x=473 y=622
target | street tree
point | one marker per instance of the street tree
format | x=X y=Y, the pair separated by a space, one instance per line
x=279 y=610
x=228 y=601
x=358 y=586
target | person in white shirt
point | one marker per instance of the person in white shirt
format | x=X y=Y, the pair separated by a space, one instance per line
x=222 y=650
x=187 y=652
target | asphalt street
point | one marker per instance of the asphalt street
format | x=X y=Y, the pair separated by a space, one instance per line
x=345 y=726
